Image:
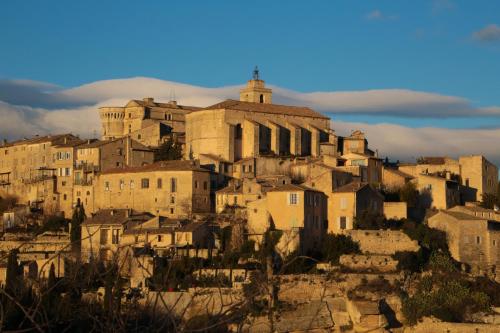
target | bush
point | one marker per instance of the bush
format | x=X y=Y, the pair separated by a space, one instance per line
x=334 y=246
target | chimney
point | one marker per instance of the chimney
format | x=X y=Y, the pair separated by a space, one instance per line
x=173 y=103
x=127 y=213
x=148 y=100
x=65 y=140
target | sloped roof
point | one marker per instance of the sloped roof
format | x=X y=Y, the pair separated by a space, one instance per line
x=56 y=139
x=117 y=216
x=292 y=187
x=351 y=187
x=299 y=111
x=99 y=143
x=149 y=103
x=398 y=172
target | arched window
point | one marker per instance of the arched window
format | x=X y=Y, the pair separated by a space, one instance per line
x=261 y=98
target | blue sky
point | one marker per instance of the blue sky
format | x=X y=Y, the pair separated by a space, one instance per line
x=449 y=48
x=301 y=45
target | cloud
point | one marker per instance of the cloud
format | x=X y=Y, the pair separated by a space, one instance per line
x=439 y=6
x=490 y=33
x=31 y=108
x=407 y=144
x=378 y=15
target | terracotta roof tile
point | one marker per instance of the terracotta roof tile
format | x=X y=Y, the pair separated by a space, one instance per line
x=267 y=108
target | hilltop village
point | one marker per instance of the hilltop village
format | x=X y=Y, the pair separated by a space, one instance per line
x=254 y=217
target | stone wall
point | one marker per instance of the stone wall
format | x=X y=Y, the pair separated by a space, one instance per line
x=433 y=326
x=379 y=263
x=386 y=242
x=395 y=210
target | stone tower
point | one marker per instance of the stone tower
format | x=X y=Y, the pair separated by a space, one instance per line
x=256 y=91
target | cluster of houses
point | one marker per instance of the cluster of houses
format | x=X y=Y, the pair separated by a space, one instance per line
x=247 y=163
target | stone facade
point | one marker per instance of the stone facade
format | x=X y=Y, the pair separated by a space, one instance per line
x=471 y=239
x=395 y=210
x=147 y=121
x=348 y=202
x=233 y=130
x=384 y=242
x=170 y=188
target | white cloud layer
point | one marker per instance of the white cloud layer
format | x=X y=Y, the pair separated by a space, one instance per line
x=488 y=34
x=28 y=108
x=407 y=144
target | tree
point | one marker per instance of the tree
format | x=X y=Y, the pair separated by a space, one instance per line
x=334 y=246
x=76 y=225
x=409 y=194
x=12 y=281
x=170 y=150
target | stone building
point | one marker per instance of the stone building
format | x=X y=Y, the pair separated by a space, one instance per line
x=174 y=189
x=298 y=211
x=240 y=192
x=146 y=121
x=39 y=171
x=472 y=239
x=437 y=192
x=101 y=234
x=350 y=201
x=394 y=179
x=473 y=171
x=251 y=127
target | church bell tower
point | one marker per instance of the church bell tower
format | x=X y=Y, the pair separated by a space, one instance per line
x=256 y=91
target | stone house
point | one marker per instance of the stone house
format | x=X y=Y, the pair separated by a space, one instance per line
x=437 y=192
x=194 y=234
x=350 y=201
x=146 y=120
x=473 y=171
x=372 y=164
x=394 y=179
x=38 y=171
x=298 y=211
x=175 y=189
x=472 y=240
x=240 y=192
x=101 y=234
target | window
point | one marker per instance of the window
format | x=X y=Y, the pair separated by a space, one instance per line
x=171 y=210
x=172 y=199
x=173 y=185
x=67 y=171
x=115 y=236
x=63 y=183
x=343 y=203
x=106 y=186
x=293 y=199
x=478 y=239
x=195 y=184
x=119 y=152
x=159 y=238
x=159 y=183
x=205 y=185
x=235 y=200
x=122 y=184
x=145 y=183
x=249 y=168
x=104 y=236
x=343 y=222
x=244 y=168
x=65 y=197
x=261 y=98
x=132 y=184
x=139 y=136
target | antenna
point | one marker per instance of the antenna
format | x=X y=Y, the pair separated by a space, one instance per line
x=256 y=73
